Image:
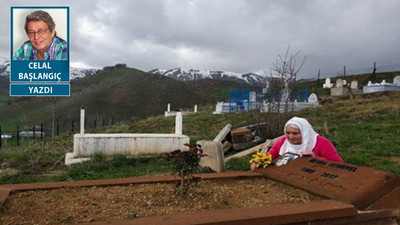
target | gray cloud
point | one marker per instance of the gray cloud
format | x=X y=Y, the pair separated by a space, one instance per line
x=233 y=35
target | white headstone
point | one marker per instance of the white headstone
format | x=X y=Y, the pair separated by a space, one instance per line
x=344 y=82
x=178 y=123
x=383 y=82
x=82 y=121
x=369 y=83
x=253 y=96
x=354 y=84
x=218 y=107
x=195 y=108
x=339 y=83
x=328 y=83
x=328 y=80
x=396 y=80
x=312 y=98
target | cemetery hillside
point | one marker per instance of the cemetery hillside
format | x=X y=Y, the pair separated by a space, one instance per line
x=118 y=94
x=364 y=127
x=126 y=94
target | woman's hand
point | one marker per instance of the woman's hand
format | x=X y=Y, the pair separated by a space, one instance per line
x=253 y=167
x=307 y=153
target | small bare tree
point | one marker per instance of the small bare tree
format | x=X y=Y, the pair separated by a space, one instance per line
x=286 y=69
x=273 y=88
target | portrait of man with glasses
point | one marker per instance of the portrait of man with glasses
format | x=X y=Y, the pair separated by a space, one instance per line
x=43 y=43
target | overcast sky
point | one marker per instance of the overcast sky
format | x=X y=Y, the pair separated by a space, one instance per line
x=232 y=35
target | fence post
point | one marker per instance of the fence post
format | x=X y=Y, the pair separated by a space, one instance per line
x=0 y=138
x=58 y=128
x=17 y=135
x=41 y=132
x=34 y=131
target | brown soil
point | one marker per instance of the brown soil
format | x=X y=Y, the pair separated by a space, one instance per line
x=78 y=205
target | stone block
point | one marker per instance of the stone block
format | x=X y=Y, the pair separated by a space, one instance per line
x=214 y=158
x=226 y=146
x=222 y=134
x=241 y=134
x=128 y=144
x=339 y=91
x=70 y=159
x=360 y=186
x=241 y=138
x=380 y=88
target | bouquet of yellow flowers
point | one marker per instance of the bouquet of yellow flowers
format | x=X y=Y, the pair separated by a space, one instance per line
x=261 y=159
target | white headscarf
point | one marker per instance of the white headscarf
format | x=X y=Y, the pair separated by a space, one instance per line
x=308 y=137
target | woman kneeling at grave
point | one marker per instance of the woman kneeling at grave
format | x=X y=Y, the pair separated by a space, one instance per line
x=301 y=139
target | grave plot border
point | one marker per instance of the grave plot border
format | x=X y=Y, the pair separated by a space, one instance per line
x=319 y=212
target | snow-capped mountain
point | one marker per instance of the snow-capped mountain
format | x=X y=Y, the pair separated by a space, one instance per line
x=74 y=72
x=191 y=74
x=4 y=66
x=81 y=72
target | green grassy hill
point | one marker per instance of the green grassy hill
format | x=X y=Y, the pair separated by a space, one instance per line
x=124 y=94
x=120 y=94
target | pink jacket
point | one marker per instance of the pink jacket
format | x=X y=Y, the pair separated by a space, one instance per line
x=324 y=149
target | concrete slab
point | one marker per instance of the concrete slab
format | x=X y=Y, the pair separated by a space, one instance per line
x=214 y=155
x=86 y=145
x=226 y=146
x=222 y=134
x=359 y=186
x=70 y=159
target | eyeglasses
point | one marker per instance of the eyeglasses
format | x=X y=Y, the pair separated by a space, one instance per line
x=293 y=133
x=39 y=32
